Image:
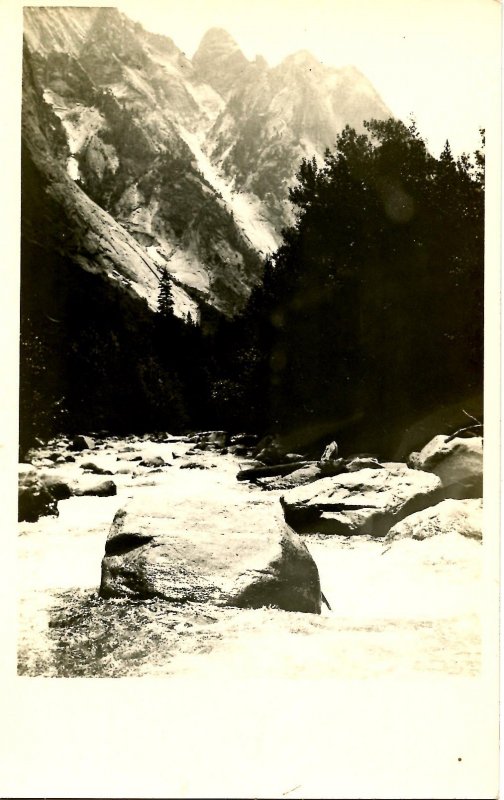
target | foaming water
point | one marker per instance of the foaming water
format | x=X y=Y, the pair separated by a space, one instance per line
x=405 y=607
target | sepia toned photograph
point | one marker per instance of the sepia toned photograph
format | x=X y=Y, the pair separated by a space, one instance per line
x=258 y=260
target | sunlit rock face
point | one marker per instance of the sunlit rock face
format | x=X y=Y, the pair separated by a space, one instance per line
x=457 y=461
x=369 y=501
x=463 y=517
x=171 y=163
x=276 y=117
x=150 y=553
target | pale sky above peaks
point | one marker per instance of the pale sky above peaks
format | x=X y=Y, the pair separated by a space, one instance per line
x=437 y=59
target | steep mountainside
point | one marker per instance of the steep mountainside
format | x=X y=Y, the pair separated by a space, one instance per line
x=275 y=117
x=159 y=162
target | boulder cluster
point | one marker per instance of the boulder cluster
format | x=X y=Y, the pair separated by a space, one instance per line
x=437 y=489
x=41 y=487
x=150 y=552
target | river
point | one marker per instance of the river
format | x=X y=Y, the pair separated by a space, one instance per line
x=405 y=608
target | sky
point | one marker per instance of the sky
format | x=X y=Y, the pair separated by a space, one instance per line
x=437 y=59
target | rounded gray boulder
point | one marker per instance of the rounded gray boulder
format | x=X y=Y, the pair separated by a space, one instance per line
x=151 y=553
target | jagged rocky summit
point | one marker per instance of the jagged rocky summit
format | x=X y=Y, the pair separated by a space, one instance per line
x=150 y=161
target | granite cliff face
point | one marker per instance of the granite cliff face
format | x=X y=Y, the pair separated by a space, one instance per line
x=276 y=117
x=158 y=162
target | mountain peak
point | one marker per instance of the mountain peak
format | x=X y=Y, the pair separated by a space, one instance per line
x=217 y=39
x=260 y=62
x=219 y=61
x=302 y=58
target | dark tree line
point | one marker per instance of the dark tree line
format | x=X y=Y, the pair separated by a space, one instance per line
x=370 y=316
x=93 y=357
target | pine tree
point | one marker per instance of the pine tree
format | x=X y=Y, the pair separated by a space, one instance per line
x=165 y=297
x=371 y=309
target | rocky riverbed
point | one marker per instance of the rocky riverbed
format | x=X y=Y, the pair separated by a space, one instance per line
x=397 y=606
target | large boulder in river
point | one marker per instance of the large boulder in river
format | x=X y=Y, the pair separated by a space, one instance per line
x=369 y=501
x=450 y=516
x=34 y=499
x=457 y=461
x=151 y=553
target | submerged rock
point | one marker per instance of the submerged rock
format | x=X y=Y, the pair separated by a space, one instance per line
x=90 y=466
x=151 y=553
x=449 y=516
x=102 y=489
x=369 y=501
x=153 y=461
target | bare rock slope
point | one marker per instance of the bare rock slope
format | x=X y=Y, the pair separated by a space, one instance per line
x=159 y=162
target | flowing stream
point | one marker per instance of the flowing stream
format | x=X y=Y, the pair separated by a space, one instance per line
x=410 y=607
